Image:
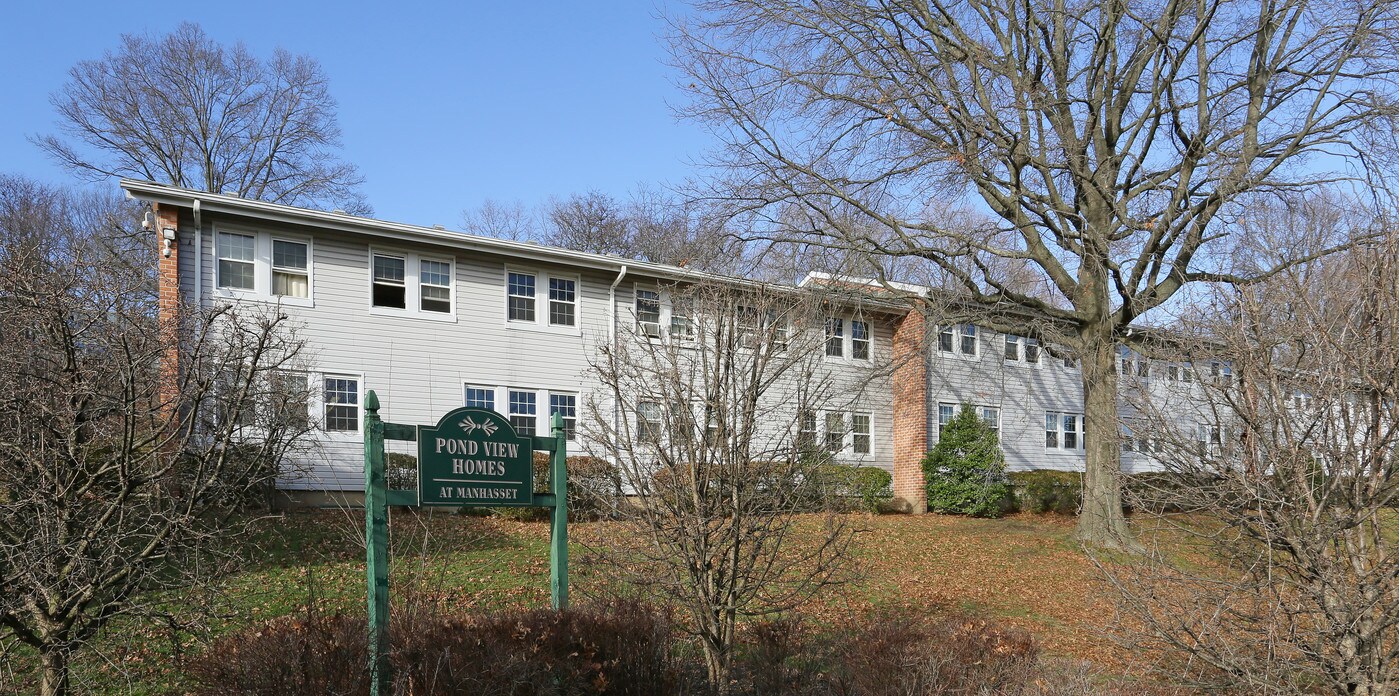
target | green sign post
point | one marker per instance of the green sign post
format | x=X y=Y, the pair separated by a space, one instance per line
x=472 y=457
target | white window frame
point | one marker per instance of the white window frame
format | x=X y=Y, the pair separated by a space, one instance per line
x=272 y=274
x=1024 y=345
x=982 y=411
x=847 y=339
x=959 y=336
x=500 y=397
x=319 y=403
x=262 y=267
x=541 y=301
x=949 y=408
x=834 y=330
x=549 y=300
x=412 y=279
x=451 y=284
x=658 y=331
x=1059 y=431
x=856 y=434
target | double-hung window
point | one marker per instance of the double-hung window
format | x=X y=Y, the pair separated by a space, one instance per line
x=341 y=403
x=859 y=339
x=1063 y=431
x=835 y=337
x=236 y=254
x=991 y=416
x=262 y=266
x=835 y=431
x=389 y=290
x=565 y=405
x=946 y=338
x=648 y=421
x=435 y=285
x=682 y=325
x=1032 y=351
x=524 y=410
x=290 y=274
x=648 y=312
x=563 y=302
x=1012 y=348
x=480 y=397
x=806 y=430
x=412 y=285
x=860 y=433
x=946 y=412
x=520 y=305
x=968 y=339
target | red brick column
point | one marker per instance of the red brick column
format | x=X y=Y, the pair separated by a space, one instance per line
x=168 y=300
x=910 y=382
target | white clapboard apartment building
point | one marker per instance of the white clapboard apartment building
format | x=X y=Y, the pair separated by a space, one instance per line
x=434 y=319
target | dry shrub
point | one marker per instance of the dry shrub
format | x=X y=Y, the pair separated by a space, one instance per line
x=622 y=648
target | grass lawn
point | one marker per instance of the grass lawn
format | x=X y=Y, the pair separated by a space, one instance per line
x=1024 y=569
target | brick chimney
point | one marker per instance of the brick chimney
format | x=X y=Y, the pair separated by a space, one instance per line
x=910 y=382
x=167 y=227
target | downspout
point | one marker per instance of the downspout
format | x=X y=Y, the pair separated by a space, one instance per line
x=612 y=334
x=198 y=256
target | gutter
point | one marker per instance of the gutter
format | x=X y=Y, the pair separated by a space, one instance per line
x=612 y=335
x=198 y=256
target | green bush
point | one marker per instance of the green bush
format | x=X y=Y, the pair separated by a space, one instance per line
x=965 y=472
x=1047 y=490
x=874 y=486
x=844 y=487
x=593 y=484
x=401 y=471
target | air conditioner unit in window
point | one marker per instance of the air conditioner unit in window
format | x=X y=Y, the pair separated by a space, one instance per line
x=651 y=329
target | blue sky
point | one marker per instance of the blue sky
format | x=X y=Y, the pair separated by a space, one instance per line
x=443 y=105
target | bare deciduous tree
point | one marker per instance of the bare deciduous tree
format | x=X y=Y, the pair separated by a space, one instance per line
x=1107 y=142
x=1276 y=572
x=184 y=110
x=713 y=422
x=118 y=478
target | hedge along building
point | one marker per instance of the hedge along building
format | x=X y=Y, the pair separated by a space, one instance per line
x=433 y=320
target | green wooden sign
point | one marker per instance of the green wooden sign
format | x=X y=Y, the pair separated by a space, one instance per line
x=471 y=457
x=474 y=457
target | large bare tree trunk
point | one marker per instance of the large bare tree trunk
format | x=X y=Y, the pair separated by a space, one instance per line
x=1101 y=522
x=55 y=678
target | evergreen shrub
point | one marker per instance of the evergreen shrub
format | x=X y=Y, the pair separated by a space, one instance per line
x=965 y=472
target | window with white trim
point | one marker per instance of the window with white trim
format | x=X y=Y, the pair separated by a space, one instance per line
x=521 y=406
x=946 y=339
x=520 y=297
x=835 y=337
x=236 y=253
x=835 y=431
x=859 y=339
x=1022 y=349
x=648 y=312
x=524 y=411
x=682 y=324
x=648 y=421
x=390 y=289
x=480 y=397
x=435 y=286
x=991 y=416
x=341 y=403
x=969 y=344
x=565 y=405
x=291 y=275
x=1063 y=431
x=1222 y=372
x=261 y=266
x=563 y=301
x=806 y=430
x=860 y=436
x=946 y=412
